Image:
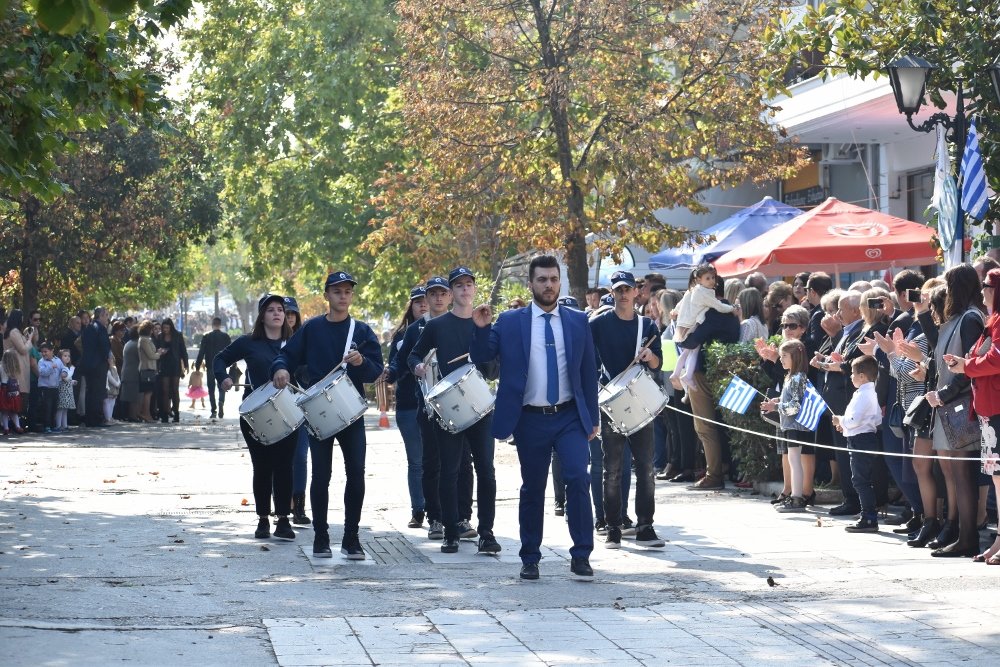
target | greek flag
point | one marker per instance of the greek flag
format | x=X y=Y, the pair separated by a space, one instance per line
x=737 y=396
x=974 y=200
x=813 y=407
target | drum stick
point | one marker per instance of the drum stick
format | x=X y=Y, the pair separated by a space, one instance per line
x=464 y=356
x=644 y=347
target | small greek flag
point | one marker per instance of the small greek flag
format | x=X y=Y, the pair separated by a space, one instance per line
x=945 y=197
x=813 y=407
x=974 y=200
x=737 y=396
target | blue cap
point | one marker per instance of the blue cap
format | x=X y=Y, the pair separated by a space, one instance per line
x=569 y=302
x=608 y=300
x=619 y=278
x=437 y=281
x=291 y=305
x=418 y=292
x=458 y=272
x=338 y=277
x=268 y=298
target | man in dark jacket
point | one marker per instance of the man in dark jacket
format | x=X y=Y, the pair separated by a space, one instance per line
x=95 y=361
x=212 y=343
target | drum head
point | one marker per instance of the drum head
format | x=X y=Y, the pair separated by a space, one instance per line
x=450 y=380
x=258 y=398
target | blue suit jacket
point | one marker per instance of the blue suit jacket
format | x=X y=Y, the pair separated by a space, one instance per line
x=510 y=340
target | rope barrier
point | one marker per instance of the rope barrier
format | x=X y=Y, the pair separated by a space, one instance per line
x=771 y=436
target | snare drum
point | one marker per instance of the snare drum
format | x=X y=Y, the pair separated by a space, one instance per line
x=461 y=398
x=271 y=413
x=631 y=400
x=331 y=405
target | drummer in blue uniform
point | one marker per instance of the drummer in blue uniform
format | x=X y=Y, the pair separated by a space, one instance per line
x=620 y=336
x=272 y=464
x=324 y=343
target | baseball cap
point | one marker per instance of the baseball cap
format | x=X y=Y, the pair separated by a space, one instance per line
x=338 y=277
x=268 y=298
x=608 y=300
x=458 y=272
x=619 y=278
x=291 y=305
x=437 y=281
x=569 y=302
x=418 y=292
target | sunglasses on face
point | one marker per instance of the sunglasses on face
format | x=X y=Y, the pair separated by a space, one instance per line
x=789 y=325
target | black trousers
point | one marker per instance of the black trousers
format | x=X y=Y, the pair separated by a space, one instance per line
x=272 y=470
x=97 y=391
x=431 y=479
x=48 y=400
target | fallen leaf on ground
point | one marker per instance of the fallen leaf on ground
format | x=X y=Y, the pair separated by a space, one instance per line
x=244 y=502
x=185 y=497
x=111 y=481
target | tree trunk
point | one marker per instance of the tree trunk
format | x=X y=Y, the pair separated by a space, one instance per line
x=558 y=100
x=217 y=312
x=29 y=260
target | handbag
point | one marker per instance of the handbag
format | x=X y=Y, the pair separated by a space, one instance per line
x=960 y=431
x=896 y=420
x=918 y=414
x=147 y=375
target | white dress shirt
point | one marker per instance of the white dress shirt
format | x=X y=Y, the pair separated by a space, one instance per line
x=535 y=389
x=863 y=414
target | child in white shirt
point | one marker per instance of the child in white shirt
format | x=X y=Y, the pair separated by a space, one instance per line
x=859 y=424
x=691 y=310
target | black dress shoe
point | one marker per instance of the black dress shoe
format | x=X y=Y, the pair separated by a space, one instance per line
x=581 y=568
x=947 y=535
x=529 y=571
x=913 y=525
x=450 y=545
x=845 y=510
x=956 y=550
x=683 y=478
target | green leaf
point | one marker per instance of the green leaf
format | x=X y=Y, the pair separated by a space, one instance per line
x=55 y=15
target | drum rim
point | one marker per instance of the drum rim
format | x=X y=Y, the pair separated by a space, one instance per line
x=468 y=368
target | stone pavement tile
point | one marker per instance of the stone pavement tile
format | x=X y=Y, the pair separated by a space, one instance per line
x=338 y=559
x=311 y=641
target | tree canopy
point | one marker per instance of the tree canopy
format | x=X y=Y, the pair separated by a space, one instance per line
x=540 y=123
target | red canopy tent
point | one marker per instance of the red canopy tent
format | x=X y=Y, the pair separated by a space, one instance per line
x=834 y=236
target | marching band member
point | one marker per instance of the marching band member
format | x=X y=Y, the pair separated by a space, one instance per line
x=547 y=398
x=617 y=335
x=438 y=298
x=322 y=344
x=451 y=334
x=272 y=464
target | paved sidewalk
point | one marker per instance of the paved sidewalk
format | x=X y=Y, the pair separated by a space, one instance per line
x=131 y=545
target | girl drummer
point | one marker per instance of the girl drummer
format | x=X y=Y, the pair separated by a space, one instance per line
x=272 y=464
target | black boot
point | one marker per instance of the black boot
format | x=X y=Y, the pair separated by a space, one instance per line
x=928 y=531
x=914 y=524
x=947 y=535
x=299 y=509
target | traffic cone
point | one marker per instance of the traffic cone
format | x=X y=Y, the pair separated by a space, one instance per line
x=383 y=420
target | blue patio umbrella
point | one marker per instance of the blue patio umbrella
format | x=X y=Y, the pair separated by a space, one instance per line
x=734 y=231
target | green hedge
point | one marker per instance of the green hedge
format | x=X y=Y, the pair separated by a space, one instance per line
x=758 y=460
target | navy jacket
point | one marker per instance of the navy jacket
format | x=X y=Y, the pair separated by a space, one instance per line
x=721 y=327
x=319 y=345
x=510 y=340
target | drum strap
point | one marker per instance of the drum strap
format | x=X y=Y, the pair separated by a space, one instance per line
x=638 y=343
x=347 y=345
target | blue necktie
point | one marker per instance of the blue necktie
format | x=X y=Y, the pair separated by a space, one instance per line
x=552 y=369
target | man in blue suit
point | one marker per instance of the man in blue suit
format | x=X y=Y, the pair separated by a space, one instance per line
x=547 y=398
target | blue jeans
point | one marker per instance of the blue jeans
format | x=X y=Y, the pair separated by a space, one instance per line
x=353 y=446
x=596 y=460
x=897 y=465
x=300 y=464
x=406 y=420
x=861 y=472
x=659 y=443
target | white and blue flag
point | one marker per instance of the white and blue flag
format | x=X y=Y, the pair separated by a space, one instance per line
x=738 y=396
x=974 y=201
x=813 y=407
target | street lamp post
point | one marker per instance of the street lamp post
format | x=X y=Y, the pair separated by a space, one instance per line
x=908 y=79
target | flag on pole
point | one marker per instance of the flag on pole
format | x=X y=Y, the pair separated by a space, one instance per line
x=738 y=396
x=945 y=197
x=813 y=407
x=974 y=200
